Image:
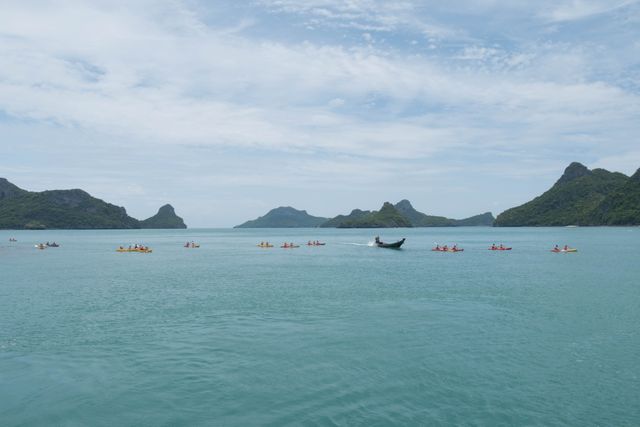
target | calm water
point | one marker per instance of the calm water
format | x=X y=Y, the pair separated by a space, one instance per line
x=346 y=334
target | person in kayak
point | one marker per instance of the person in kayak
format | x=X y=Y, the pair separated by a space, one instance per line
x=566 y=248
x=501 y=246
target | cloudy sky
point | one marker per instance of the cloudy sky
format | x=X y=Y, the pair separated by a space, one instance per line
x=228 y=108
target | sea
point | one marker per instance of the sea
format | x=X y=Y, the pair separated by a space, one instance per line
x=346 y=334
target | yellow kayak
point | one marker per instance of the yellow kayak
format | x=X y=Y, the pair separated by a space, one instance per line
x=264 y=246
x=142 y=251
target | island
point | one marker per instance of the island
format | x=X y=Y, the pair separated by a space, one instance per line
x=387 y=217
x=581 y=197
x=165 y=218
x=284 y=217
x=71 y=209
x=402 y=214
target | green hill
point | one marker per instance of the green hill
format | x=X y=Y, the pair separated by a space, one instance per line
x=9 y=190
x=622 y=207
x=59 y=209
x=165 y=218
x=284 y=217
x=387 y=217
x=419 y=219
x=483 y=220
x=402 y=214
x=355 y=214
x=577 y=198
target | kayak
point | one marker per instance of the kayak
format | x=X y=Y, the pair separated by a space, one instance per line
x=447 y=250
x=394 y=245
x=290 y=247
x=264 y=246
x=41 y=247
x=570 y=250
x=316 y=244
x=499 y=249
x=142 y=251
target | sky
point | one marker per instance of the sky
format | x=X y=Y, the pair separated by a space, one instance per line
x=229 y=108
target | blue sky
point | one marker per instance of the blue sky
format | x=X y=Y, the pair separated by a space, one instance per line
x=229 y=108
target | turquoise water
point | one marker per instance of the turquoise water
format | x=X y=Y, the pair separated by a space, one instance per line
x=346 y=334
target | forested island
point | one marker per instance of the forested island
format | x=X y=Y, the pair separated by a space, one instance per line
x=581 y=197
x=402 y=214
x=71 y=209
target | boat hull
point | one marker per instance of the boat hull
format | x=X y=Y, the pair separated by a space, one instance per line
x=395 y=245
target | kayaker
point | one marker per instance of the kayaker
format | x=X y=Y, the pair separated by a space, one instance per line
x=566 y=247
x=501 y=246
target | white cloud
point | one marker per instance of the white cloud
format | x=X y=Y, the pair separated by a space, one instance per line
x=572 y=10
x=364 y=15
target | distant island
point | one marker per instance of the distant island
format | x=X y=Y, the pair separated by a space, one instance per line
x=401 y=214
x=387 y=217
x=71 y=209
x=165 y=218
x=284 y=217
x=581 y=197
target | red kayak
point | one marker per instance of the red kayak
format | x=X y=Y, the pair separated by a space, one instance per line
x=499 y=249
